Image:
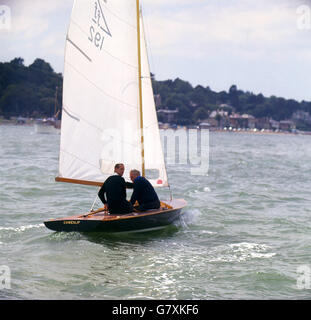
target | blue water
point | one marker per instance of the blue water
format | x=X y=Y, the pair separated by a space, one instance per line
x=245 y=231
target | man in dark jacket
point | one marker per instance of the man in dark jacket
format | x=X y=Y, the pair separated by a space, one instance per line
x=143 y=193
x=115 y=189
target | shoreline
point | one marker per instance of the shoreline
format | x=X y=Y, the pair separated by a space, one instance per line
x=31 y=122
x=264 y=132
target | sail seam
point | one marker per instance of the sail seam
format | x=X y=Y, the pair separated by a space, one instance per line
x=74 y=156
x=102 y=91
x=119 y=18
x=65 y=108
x=82 y=160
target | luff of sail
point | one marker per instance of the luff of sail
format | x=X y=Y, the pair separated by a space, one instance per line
x=154 y=158
x=100 y=119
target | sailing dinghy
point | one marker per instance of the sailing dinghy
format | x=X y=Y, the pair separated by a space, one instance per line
x=109 y=113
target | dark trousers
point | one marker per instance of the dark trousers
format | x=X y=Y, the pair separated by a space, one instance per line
x=120 y=207
x=148 y=206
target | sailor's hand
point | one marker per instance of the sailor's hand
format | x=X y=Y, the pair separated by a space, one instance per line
x=106 y=207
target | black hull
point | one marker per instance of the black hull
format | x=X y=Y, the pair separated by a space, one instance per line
x=112 y=223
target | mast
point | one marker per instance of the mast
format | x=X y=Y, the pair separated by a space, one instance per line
x=140 y=89
x=55 y=102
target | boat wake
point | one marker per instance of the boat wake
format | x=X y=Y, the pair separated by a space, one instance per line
x=187 y=218
x=22 y=228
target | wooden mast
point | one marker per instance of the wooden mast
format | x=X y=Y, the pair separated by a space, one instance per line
x=55 y=103
x=140 y=89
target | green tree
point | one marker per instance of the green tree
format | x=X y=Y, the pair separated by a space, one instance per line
x=234 y=97
x=200 y=114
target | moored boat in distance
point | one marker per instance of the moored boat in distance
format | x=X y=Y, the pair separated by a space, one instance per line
x=52 y=124
x=47 y=125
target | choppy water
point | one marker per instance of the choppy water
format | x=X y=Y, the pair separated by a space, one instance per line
x=245 y=232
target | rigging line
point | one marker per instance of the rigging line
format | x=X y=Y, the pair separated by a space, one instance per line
x=99 y=89
x=169 y=188
x=147 y=36
x=94 y=200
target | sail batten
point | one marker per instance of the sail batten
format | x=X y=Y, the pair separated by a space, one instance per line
x=109 y=114
x=72 y=43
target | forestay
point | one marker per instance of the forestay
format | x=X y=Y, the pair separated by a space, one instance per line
x=101 y=111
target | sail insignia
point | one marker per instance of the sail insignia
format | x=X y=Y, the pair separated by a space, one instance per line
x=99 y=18
x=98 y=26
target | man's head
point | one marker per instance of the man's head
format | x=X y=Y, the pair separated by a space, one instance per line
x=134 y=174
x=119 y=169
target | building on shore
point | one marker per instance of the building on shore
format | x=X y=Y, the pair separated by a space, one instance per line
x=167 y=115
x=287 y=125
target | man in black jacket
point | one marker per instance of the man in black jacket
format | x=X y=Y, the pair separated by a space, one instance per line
x=115 y=189
x=143 y=193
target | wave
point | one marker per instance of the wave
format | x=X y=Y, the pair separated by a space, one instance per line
x=243 y=251
x=22 y=228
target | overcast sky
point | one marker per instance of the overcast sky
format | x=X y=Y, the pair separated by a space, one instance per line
x=260 y=46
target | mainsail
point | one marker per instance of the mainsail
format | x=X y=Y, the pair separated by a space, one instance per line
x=101 y=123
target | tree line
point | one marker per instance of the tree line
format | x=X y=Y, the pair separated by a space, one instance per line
x=196 y=103
x=30 y=92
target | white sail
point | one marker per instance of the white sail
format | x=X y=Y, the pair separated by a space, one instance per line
x=154 y=158
x=101 y=116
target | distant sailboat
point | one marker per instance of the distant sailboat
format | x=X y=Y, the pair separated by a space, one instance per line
x=109 y=113
x=49 y=125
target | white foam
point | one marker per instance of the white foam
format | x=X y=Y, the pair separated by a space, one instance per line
x=262 y=255
x=245 y=250
x=246 y=246
x=239 y=252
x=207 y=232
x=22 y=228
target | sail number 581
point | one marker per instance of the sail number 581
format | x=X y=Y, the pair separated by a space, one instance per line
x=96 y=38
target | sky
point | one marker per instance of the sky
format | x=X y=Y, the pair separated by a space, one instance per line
x=260 y=46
